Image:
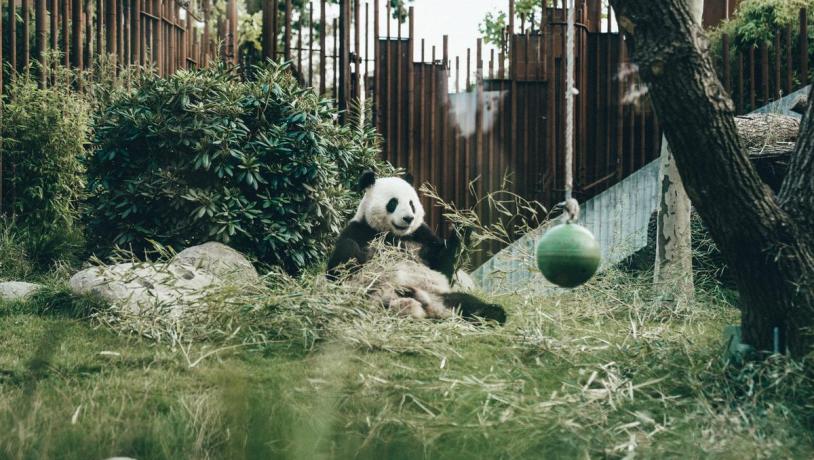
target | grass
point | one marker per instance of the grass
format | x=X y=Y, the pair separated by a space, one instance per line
x=299 y=369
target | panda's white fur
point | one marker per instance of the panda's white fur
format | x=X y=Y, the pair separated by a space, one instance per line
x=373 y=207
x=387 y=281
x=388 y=284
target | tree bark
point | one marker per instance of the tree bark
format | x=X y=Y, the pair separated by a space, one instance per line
x=673 y=269
x=765 y=239
x=673 y=275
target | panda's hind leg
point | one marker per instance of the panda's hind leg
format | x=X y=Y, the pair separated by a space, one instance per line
x=472 y=307
x=406 y=306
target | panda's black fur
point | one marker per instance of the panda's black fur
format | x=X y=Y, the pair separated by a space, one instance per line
x=396 y=202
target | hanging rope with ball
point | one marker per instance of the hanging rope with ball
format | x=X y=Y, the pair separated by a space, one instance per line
x=567 y=254
x=571 y=205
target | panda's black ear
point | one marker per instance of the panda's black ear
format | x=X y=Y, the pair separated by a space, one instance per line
x=408 y=178
x=367 y=179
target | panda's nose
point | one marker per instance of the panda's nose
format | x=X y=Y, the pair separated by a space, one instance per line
x=408 y=219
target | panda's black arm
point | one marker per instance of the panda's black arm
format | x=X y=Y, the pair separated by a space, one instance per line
x=351 y=245
x=346 y=250
x=438 y=254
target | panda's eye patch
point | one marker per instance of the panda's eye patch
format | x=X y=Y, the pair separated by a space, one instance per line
x=392 y=204
x=412 y=206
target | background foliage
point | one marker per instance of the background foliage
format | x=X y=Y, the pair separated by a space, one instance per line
x=202 y=155
x=44 y=133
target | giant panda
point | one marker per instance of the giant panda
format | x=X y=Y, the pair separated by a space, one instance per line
x=390 y=214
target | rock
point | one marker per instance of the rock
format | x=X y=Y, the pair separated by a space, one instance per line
x=218 y=259
x=166 y=289
x=17 y=290
x=462 y=281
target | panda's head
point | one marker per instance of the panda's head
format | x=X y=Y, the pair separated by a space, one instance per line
x=390 y=204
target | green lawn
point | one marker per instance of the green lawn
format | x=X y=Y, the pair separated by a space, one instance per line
x=297 y=371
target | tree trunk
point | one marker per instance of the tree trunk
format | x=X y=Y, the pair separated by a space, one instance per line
x=765 y=239
x=673 y=270
x=673 y=275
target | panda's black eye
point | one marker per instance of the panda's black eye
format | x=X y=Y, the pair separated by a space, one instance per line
x=412 y=206
x=392 y=204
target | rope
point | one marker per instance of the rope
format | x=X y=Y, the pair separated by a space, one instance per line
x=571 y=205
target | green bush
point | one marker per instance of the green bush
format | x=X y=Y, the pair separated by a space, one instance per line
x=44 y=134
x=202 y=155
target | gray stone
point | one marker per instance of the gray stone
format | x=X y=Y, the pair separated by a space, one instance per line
x=166 y=289
x=17 y=290
x=463 y=281
x=216 y=258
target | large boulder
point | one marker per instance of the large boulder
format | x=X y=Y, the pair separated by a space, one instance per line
x=11 y=291
x=169 y=289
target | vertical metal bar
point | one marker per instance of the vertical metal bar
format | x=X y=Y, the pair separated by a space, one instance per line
x=377 y=116
x=269 y=10
x=100 y=27
x=367 y=42
x=323 y=32
x=127 y=55
x=803 y=47
x=725 y=59
x=457 y=74
x=752 y=78
x=446 y=164
x=468 y=68
x=287 y=39
x=397 y=107
x=1 y=95
x=741 y=89
x=479 y=151
x=42 y=38
x=65 y=14
x=311 y=44
x=120 y=31
x=357 y=47
x=110 y=26
x=299 y=48
x=778 y=83
x=764 y=72
x=789 y=54
x=26 y=34
x=275 y=29
x=54 y=24
x=12 y=33
x=412 y=153
x=76 y=34
x=344 y=54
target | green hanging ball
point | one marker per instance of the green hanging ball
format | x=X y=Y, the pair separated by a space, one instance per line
x=568 y=255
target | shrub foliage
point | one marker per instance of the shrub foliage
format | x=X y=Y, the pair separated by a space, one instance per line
x=44 y=134
x=203 y=155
